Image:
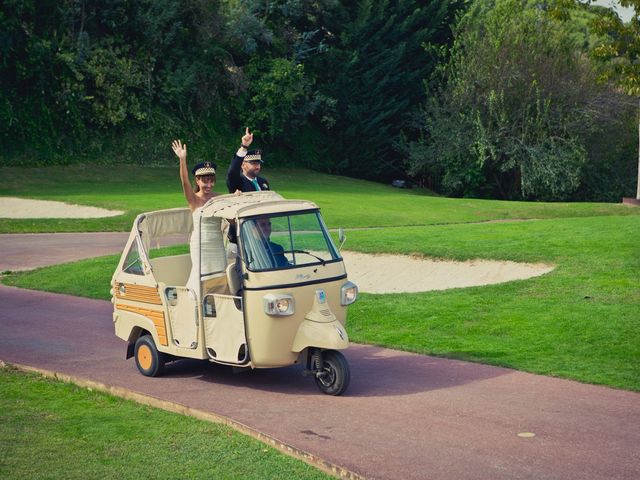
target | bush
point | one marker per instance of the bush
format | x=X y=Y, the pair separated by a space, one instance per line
x=518 y=105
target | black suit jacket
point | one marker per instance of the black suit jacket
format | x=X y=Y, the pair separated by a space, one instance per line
x=237 y=181
x=277 y=255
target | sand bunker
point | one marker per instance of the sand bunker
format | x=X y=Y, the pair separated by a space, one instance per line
x=402 y=273
x=12 y=207
x=372 y=273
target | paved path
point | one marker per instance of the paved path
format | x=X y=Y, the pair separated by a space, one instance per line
x=404 y=416
x=32 y=250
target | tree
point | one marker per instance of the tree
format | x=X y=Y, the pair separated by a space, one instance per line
x=620 y=51
x=276 y=46
x=74 y=72
x=517 y=104
x=31 y=77
x=377 y=67
x=277 y=94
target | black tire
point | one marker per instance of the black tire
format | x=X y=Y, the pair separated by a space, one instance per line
x=335 y=376
x=149 y=361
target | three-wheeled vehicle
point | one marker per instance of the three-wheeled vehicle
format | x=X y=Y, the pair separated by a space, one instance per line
x=276 y=295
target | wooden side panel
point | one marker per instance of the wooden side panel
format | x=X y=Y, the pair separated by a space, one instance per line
x=137 y=293
x=156 y=316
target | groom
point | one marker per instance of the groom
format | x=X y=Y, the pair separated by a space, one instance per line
x=245 y=168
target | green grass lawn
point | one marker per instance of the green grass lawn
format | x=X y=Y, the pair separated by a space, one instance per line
x=581 y=321
x=55 y=430
x=344 y=201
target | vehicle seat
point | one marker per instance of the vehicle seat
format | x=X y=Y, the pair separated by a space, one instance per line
x=172 y=270
x=233 y=279
x=215 y=285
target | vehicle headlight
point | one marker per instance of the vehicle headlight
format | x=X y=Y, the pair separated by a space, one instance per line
x=348 y=293
x=278 y=304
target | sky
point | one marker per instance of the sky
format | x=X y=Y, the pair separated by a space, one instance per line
x=625 y=13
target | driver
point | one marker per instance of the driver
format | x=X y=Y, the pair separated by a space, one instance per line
x=274 y=250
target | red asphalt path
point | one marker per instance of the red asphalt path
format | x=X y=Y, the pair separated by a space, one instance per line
x=404 y=416
x=24 y=251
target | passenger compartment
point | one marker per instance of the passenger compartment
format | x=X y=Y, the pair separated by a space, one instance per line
x=173 y=270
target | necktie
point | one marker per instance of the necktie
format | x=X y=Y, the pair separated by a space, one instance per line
x=255 y=184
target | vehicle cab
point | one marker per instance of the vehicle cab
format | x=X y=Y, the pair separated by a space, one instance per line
x=262 y=286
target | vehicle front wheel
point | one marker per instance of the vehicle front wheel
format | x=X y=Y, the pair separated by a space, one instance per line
x=149 y=361
x=334 y=376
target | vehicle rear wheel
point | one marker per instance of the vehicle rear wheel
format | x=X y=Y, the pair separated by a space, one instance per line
x=334 y=377
x=149 y=361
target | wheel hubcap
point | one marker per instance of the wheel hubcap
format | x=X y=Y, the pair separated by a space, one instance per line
x=144 y=357
x=327 y=377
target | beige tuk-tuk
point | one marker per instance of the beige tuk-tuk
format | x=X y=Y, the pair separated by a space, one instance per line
x=263 y=286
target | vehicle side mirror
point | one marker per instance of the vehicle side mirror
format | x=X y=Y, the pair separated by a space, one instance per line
x=341 y=237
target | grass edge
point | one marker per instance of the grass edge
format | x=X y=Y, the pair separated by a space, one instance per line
x=174 y=407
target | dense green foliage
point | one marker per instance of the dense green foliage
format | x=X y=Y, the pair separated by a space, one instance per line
x=382 y=47
x=344 y=201
x=620 y=42
x=512 y=110
x=74 y=71
x=81 y=77
x=519 y=113
x=619 y=51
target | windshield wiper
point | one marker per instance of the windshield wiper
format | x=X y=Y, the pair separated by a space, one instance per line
x=307 y=253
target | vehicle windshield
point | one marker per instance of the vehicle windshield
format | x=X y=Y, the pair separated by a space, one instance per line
x=286 y=241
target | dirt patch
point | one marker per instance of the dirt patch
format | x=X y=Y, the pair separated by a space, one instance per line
x=405 y=274
x=372 y=273
x=13 y=207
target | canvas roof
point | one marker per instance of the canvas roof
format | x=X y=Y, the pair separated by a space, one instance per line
x=180 y=220
x=157 y=224
x=252 y=203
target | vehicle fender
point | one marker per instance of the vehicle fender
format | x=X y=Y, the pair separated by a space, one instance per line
x=129 y=325
x=330 y=335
